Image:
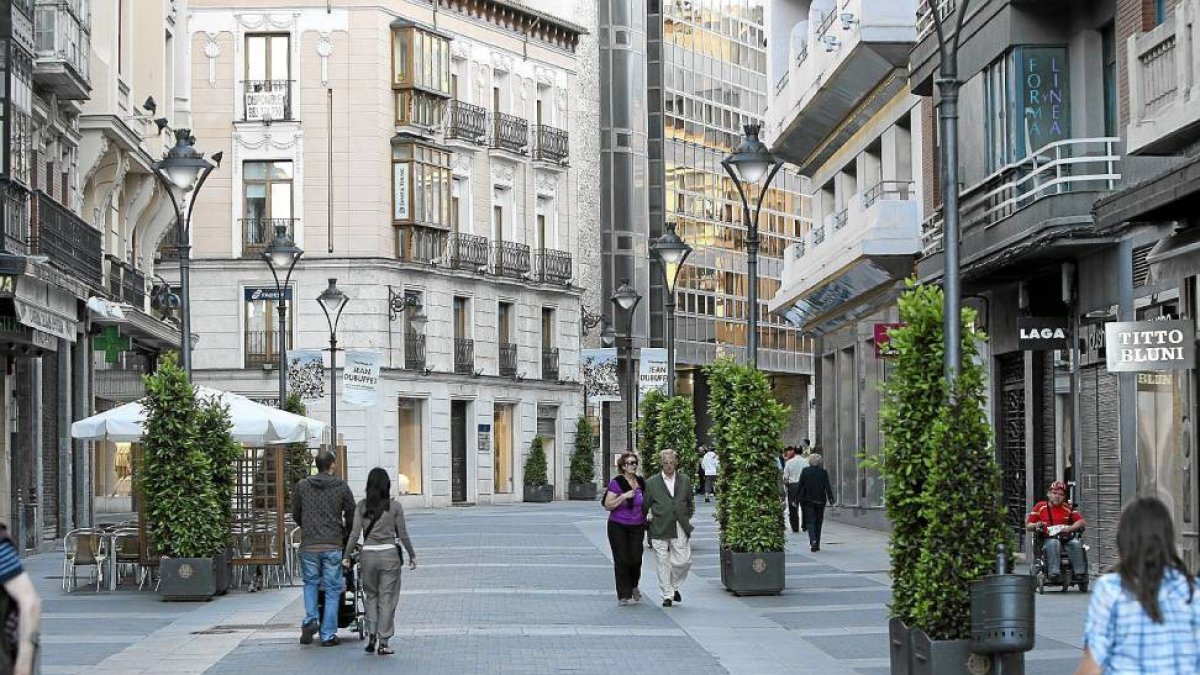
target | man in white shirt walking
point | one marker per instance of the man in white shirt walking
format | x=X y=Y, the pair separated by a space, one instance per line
x=791 y=478
x=710 y=464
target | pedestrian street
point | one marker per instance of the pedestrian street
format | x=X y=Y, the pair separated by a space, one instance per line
x=529 y=589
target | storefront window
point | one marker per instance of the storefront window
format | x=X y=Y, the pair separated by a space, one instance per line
x=410 y=477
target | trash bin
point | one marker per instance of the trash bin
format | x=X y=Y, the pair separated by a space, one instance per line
x=1002 y=612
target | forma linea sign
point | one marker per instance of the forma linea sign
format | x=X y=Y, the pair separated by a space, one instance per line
x=1147 y=346
x=1041 y=333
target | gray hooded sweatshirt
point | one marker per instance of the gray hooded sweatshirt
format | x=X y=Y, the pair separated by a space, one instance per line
x=323 y=507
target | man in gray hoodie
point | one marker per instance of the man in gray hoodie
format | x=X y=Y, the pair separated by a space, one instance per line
x=323 y=507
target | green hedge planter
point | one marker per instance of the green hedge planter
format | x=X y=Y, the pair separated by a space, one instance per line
x=581 y=491
x=539 y=493
x=187 y=579
x=753 y=573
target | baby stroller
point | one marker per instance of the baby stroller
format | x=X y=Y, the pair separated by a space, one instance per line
x=351 y=609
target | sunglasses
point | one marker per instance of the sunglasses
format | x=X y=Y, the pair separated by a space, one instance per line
x=631 y=463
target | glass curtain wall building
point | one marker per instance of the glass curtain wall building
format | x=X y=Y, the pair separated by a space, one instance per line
x=662 y=140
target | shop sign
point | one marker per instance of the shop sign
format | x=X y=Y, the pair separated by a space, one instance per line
x=1042 y=333
x=1043 y=95
x=44 y=320
x=883 y=343
x=8 y=286
x=401 y=190
x=266 y=294
x=1148 y=346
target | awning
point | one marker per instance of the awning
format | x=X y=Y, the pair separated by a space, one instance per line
x=45 y=308
x=842 y=295
x=1160 y=198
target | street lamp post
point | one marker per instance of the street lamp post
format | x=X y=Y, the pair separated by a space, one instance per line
x=608 y=338
x=282 y=256
x=333 y=301
x=749 y=163
x=177 y=171
x=626 y=299
x=671 y=252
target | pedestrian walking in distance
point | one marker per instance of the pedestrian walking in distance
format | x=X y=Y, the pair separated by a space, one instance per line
x=670 y=503
x=323 y=507
x=379 y=519
x=1144 y=617
x=813 y=493
x=710 y=463
x=791 y=478
x=19 y=642
x=624 y=499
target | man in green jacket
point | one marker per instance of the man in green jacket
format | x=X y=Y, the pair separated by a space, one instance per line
x=669 y=505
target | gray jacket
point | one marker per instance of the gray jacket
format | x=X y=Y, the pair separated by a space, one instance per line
x=323 y=507
x=389 y=529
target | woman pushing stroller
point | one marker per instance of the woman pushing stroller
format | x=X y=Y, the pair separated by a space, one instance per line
x=379 y=520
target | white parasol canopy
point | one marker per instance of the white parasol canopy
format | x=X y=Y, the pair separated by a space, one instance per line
x=253 y=423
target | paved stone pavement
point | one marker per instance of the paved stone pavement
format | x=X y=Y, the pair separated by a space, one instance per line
x=528 y=589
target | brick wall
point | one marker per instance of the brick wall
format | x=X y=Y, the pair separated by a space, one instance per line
x=932 y=196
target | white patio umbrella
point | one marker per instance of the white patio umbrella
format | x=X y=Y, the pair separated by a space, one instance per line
x=253 y=423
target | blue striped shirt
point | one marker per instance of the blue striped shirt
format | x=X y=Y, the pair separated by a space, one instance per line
x=10 y=564
x=1124 y=640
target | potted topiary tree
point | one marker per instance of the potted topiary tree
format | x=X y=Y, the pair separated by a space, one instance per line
x=582 y=485
x=676 y=429
x=298 y=460
x=536 y=487
x=942 y=485
x=748 y=423
x=216 y=437
x=647 y=429
x=183 y=516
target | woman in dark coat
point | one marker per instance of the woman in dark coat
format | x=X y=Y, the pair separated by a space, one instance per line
x=813 y=493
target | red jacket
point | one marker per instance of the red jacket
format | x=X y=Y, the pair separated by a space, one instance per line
x=1054 y=515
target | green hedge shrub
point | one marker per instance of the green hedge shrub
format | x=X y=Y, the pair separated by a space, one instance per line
x=298 y=460
x=676 y=429
x=535 y=464
x=216 y=437
x=583 y=459
x=748 y=424
x=647 y=429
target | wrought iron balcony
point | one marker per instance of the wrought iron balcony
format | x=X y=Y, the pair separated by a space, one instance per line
x=415 y=243
x=464 y=356
x=262 y=348
x=71 y=244
x=14 y=212
x=126 y=283
x=510 y=132
x=168 y=246
x=267 y=100
x=550 y=364
x=63 y=45
x=258 y=233
x=508 y=359
x=414 y=350
x=467 y=251
x=510 y=259
x=466 y=122
x=552 y=266
x=550 y=144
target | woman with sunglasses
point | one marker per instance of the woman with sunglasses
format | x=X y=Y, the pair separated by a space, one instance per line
x=626 y=527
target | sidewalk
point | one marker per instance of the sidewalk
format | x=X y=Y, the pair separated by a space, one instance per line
x=528 y=589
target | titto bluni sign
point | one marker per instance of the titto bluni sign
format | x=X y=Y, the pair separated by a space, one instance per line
x=1143 y=346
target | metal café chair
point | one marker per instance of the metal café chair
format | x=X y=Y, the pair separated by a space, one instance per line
x=84 y=548
x=124 y=553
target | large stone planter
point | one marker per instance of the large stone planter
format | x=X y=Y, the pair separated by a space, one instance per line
x=187 y=579
x=581 y=491
x=223 y=571
x=945 y=657
x=900 y=646
x=539 y=493
x=753 y=573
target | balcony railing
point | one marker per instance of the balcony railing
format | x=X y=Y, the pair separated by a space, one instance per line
x=258 y=233
x=267 y=100
x=1160 y=84
x=262 y=348
x=466 y=122
x=550 y=364
x=168 y=246
x=510 y=259
x=508 y=359
x=415 y=243
x=1069 y=166
x=62 y=34
x=818 y=235
x=510 y=132
x=464 y=356
x=414 y=350
x=888 y=189
x=827 y=22
x=550 y=144
x=126 y=283
x=467 y=251
x=925 y=17
x=119 y=384
x=68 y=241
x=840 y=218
x=553 y=267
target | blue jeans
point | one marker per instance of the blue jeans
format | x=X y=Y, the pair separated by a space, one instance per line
x=325 y=566
x=1074 y=553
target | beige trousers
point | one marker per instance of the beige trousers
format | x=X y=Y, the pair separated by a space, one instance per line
x=381 y=586
x=674 y=557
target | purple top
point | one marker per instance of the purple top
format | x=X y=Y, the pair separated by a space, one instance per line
x=627 y=513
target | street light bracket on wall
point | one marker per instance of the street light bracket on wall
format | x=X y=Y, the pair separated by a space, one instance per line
x=400 y=300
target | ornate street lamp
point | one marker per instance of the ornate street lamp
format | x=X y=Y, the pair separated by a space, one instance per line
x=671 y=252
x=178 y=171
x=282 y=256
x=333 y=301
x=626 y=299
x=749 y=163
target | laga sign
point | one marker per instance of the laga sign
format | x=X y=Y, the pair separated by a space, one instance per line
x=1041 y=333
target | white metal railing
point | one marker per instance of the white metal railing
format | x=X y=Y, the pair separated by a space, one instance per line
x=1071 y=165
x=925 y=20
x=931 y=233
x=1159 y=81
x=782 y=82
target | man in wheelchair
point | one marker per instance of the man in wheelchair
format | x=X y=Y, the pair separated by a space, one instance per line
x=1057 y=524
